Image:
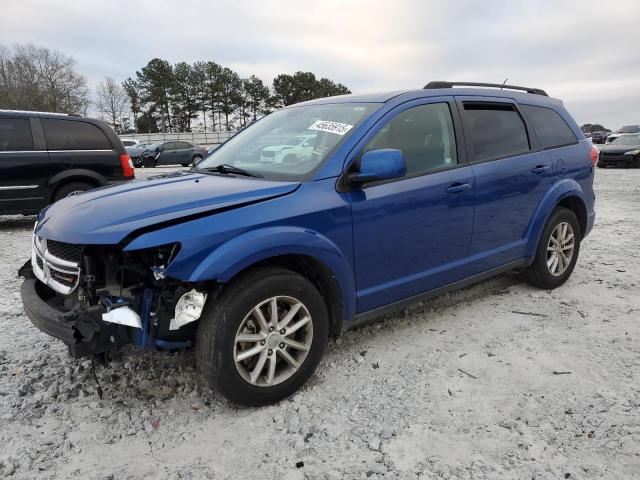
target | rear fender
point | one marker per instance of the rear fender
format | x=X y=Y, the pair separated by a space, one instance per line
x=247 y=249
x=564 y=188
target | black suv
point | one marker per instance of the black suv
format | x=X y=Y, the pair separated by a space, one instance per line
x=47 y=156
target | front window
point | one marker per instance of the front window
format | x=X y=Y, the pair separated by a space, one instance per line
x=292 y=143
x=627 y=140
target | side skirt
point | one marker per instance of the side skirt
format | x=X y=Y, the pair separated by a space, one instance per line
x=372 y=315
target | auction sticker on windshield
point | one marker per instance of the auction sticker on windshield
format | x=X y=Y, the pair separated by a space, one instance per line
x=330 y=127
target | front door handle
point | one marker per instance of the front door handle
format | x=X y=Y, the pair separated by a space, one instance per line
x=458 y=187
x=540 y=169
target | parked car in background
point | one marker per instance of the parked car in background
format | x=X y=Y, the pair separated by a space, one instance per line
x=296 y=149
x=129 y=142
x=135 y=151
x=46 y=156
x=258 y=263
x=599 y=137
x=623 y=130
x=623 y=151
x=171 y=153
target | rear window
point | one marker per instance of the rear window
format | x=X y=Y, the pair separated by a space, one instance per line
x=73 y=135
x=551 y=128
x=15 y=135
x=496 y=131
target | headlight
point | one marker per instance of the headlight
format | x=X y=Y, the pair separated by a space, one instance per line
x=188 y=309
x=632 y=152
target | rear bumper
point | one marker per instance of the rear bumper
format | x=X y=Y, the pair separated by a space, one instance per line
x=82 y=331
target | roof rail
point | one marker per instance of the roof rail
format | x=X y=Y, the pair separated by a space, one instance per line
x=440 y=84
x=34 y=112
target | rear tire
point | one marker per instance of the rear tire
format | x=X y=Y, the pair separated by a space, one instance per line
x=546 y=272
x=71 y=189
x=233 y=315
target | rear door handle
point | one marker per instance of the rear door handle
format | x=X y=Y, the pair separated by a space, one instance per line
x=458 y=187
x=540 y=169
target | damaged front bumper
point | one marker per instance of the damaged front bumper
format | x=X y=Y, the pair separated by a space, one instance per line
x=147 y=320
x=82 y=331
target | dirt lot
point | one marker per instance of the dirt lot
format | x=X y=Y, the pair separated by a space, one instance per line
x=499 y=381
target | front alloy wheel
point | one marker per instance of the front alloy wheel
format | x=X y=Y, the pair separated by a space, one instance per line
x=273 y=341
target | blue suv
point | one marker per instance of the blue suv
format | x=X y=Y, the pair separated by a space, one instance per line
x=399 y=197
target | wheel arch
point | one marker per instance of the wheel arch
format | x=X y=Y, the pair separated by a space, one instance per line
x=303 y=251
x=75 y=175
x=566 y=193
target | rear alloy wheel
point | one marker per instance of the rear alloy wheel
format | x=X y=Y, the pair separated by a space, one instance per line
x=557 y=251
x=71 y=189
x=263 y=337
x=196 y=159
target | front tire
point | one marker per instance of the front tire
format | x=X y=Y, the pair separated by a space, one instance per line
x=263 y=338
x=150 y=162
x=557 y=251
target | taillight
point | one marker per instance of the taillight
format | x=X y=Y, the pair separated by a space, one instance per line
x=594 y=154
x=127 y=166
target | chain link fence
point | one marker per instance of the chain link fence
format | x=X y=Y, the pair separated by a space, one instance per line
x=199 y=138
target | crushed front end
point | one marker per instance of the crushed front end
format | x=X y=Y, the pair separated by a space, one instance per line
x=97 y=298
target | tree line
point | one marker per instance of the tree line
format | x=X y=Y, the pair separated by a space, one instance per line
x=160 y=97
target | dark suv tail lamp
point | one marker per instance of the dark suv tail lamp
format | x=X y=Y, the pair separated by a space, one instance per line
x=127 y=166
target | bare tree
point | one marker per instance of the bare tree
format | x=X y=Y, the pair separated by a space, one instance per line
x=112 y=103
x=35 y=78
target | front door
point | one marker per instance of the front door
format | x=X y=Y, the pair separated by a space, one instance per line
x=413 y=234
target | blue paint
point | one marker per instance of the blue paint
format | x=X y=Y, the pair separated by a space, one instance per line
x=382 y=243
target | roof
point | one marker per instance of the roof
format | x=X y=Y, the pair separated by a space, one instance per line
x=384 y=97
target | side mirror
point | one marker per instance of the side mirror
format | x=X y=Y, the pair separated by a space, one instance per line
x=383 y=164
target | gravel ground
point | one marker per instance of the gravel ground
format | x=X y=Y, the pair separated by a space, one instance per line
x=496 y=381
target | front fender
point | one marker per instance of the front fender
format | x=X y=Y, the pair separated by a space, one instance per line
x=564 y=188
x=233 y=256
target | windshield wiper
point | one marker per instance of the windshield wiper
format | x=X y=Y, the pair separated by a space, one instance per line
x=226 y=168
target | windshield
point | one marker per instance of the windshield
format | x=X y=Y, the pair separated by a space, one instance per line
x=291 y=143
x=627 y=140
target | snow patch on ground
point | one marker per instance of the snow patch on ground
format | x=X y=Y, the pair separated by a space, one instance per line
x=461 y=387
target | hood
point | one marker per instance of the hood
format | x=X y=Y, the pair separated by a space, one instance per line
x=107 y=215
x=135 y=150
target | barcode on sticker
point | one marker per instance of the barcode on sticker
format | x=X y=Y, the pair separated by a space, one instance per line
x=331 y=127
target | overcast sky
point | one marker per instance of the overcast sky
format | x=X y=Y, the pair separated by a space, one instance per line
x=584 y=52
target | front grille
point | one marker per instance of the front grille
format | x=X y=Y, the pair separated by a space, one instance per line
x=65 y=251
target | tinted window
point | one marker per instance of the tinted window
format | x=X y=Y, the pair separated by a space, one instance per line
x=128 y=143
x=15 y=135
x=495 y=131
x=183 y=145
x=169 y=146
x=551 y=128
x=424 y=134
x=72 y=135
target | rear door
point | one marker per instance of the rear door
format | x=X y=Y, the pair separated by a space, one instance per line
x=512 y=175
x=413 y=234
x=184 y=152
x=24 y=165
x=80 y=146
